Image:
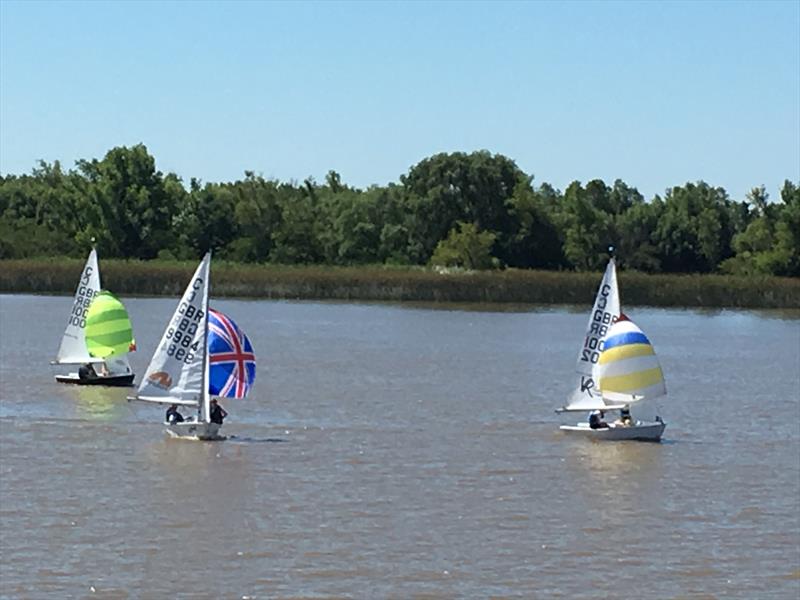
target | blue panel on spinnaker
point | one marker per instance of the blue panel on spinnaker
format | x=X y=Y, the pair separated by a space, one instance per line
x=630 y=337
x=232 y=363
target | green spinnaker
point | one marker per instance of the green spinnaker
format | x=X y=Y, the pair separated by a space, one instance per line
x=108 y=328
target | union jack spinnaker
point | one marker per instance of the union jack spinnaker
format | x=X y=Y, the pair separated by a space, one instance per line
x=231 y=360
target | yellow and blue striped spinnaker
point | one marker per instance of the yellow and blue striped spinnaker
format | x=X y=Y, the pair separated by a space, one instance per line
x=628 y=364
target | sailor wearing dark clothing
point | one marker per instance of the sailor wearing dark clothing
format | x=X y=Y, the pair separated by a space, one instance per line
x=87 y=371
x=217 y=413
x=596 y=420
x=173 y=416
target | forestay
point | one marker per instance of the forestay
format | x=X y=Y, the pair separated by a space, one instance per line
x=73 y=343
x=176 y=371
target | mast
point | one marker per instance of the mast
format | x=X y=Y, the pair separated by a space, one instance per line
x=205 y=407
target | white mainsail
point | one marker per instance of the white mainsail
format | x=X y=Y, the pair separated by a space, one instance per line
x=177 y=372
x=73 y=343
x=586 y=395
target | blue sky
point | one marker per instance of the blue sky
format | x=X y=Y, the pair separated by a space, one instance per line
x=653 y=93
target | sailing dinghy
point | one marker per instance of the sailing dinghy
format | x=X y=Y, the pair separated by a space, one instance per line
x=201 y=354
x=112 y=369
x=618 y=368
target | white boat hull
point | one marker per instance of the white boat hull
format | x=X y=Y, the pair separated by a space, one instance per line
x=194 y=430
x=641 y=431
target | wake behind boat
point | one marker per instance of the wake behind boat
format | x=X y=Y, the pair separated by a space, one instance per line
x=113 y=369
x=618 y=369
x=202 y=353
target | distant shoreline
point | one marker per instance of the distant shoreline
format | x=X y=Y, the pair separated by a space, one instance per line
x=510 y=286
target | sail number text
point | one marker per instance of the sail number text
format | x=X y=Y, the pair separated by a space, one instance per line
x=179 y=339
x=83 y=299
x=601 y=321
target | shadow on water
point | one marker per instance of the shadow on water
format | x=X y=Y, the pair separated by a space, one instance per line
x=252 y=440
x=230 y=438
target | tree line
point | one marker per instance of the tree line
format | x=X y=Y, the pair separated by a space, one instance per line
x=474 y=210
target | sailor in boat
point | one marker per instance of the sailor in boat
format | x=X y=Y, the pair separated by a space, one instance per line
x=596 y=420
x=625 y=419
x=86 y=371
x=173 y=416
x=217 y=413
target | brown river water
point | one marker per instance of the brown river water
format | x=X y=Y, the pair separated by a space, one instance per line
x=405 y=452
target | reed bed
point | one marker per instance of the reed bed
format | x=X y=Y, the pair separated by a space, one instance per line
x=511 y=286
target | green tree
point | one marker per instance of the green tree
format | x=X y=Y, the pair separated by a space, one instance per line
x=128 y=208
x=771 y=242
x=447 y=188
x=38 y=212
x=257 y=217
x=296 y=237
x=534 y=240
x=393 y=220
x=356 y=228
x=588 y=229
x=695 y=230
x=205 y=221
x=465 y=247
x=787 y=234
x=634 y=241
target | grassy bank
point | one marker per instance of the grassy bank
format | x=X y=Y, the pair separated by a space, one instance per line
x=396 y=285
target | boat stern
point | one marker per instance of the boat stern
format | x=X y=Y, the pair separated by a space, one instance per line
x=194 y=430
